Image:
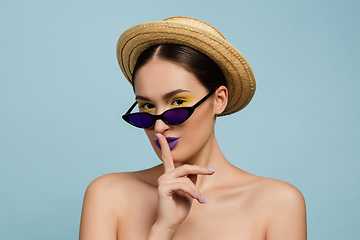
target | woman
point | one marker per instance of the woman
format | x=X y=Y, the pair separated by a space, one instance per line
x=185 y=74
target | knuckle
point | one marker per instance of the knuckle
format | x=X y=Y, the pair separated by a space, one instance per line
x=183 y=182
x=161 y=188
x=180 y=184
x=161 y=179
x=185 y=167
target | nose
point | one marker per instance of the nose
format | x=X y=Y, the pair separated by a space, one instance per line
x=160 y=126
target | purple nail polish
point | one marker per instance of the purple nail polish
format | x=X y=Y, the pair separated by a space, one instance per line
x=211 y=169
x=156 y=137
x=203 y=199
x=196 y=195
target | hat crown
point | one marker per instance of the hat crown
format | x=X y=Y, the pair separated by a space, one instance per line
x=196 y=23
x=199 y=36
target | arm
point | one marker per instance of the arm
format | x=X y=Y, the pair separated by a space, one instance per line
x=288 y=214
x=98 y=218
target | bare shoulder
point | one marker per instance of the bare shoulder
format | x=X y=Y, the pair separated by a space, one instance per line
x=118 y=188
x=111 y=181
x=267 y=189
x=105 y=191
x=114 y=187
x=284 y=209
x=104 y=199
x=278 y=192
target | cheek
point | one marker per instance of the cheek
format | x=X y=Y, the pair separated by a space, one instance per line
x=198 y=125
x=202 y=120
x=194 y=135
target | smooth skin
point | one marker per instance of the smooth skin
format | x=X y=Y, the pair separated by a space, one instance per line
x=196 y=193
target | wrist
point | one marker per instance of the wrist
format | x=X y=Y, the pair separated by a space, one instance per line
x=161 y=232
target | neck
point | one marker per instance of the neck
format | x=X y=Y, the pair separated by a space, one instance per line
x=210 y=156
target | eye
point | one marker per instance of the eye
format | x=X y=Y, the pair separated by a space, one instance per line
x=146 y=106
x=178 y=102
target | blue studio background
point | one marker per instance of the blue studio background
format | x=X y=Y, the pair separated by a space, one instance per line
x=62 y=95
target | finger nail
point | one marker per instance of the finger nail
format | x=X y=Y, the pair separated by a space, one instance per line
x=211 y=169
x=196 y=195
x=156 y=136
x=203 y=199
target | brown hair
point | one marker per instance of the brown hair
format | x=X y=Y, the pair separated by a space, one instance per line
x=204 y=68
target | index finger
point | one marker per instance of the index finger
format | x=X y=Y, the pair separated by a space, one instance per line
x=165 y=152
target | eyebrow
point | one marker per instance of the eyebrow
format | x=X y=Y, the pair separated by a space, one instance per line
x=166 y=96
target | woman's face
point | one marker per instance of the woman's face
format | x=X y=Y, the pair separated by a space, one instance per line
x=161 y=85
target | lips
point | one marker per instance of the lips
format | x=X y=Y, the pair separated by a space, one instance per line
x=172 y=142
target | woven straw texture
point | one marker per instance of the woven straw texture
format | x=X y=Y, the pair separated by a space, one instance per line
x=200 y=36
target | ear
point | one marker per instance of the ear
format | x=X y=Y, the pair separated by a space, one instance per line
x=220 y=100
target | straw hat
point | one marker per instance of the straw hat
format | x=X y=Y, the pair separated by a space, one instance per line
x=200 y=36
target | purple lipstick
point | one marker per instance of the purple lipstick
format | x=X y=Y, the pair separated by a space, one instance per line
x=172 y=142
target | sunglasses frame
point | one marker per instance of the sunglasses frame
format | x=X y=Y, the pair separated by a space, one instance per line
x=190 y=111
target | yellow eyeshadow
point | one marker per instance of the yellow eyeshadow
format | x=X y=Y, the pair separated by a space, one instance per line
x=187 y=98
x=142 y=109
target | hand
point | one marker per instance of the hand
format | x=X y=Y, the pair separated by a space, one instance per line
x=177 y=189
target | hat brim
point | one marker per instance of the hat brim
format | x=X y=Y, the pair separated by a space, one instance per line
x=237 y=71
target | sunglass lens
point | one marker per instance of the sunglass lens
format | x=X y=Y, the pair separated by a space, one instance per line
x=176 y=116
x=141 y=120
